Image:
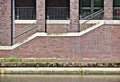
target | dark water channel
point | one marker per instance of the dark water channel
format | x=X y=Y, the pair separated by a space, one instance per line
x=59 y=78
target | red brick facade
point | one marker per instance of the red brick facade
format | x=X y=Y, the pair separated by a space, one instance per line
x=74 y=15
x=108 y=9
x=99 y=44
x=5 y=22
x=40 y=15
x=23 y=31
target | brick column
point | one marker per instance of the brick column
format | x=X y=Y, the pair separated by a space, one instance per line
x=6 y=26
x=40 y=15
x=108 y=9
x=74 y=15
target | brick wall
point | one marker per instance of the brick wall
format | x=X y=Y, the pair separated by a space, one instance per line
x=64 y=28
x=40 y=15
x=5 y=15
x=74 y=15
x=22 y=31
x=5 y=22
x=101 y=44
x=58 y=28
x=108 y=9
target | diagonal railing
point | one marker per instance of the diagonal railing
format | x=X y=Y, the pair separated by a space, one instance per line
x=94 y=16
x=25 y=29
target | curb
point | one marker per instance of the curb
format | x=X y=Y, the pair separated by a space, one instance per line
x=62 y=70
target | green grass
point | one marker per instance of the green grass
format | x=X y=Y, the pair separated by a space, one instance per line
x=26 y=60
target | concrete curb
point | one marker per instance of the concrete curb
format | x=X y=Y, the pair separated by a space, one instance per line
x=62 y=70
x=58 y=63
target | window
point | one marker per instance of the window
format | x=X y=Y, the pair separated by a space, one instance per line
x=116 y=13
x=116 y=3
x=86 y=3
x=57 y=9
x=98 y=3
x=25 y=9
x=88 y=7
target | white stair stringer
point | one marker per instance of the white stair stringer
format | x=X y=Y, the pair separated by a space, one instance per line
x=45 y=34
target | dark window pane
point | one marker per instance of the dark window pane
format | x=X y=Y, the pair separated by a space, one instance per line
x=57 y=9
x=25 y=9
x=98 y=17
x=116 y=3
x=57 y=3
x=25 y=3
x=98 y=3
x=85 y=12
x=86 y=3
x=117 y=14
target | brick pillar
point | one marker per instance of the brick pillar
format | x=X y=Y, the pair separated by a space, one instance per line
x=108 y=9
x=40 y=15
x=5 y=24
x=74 y=15
x=8 y=23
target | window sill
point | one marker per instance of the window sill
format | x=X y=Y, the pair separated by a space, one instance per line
x=25 y=21
x=58 y=21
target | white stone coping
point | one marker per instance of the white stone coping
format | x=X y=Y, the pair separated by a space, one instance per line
x=25 y=21
x=114 y=22
x=58 y=70
x=67 y=21
x=90 y=21
x=58 y=21
x=47 y=21
x=104 y=21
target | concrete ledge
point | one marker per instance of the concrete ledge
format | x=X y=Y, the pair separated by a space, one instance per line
x=112 y=22
x=58 y=21
x=67 y=21
x=25 y=21
x=80 y=71
x=55 y=63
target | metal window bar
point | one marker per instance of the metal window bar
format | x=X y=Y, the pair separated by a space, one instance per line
x=57 y=13
x=25 y=13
